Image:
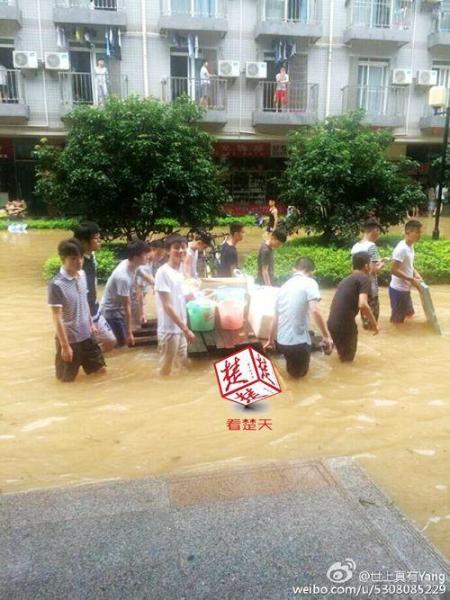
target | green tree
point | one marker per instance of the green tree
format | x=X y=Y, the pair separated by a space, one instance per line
x=131 y=163
x=337 y=175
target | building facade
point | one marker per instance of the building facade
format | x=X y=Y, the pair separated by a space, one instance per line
x=379 y=55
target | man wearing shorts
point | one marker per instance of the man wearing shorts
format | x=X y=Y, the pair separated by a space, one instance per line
x=404 y=274
x=297 y=298
x=352 y=296
x=173 y=332
x=116 y=302
x=76 y=345
x=88 y=234
x=282 y=80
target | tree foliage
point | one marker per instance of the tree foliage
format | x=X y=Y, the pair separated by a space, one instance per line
x=337 y=175
x=131 y=163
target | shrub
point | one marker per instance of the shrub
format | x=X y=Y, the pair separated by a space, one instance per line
x=67 y=224
x=333 y=263
x=107 y=261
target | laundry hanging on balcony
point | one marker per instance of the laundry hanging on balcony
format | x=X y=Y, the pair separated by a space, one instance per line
x=113 y=42
x=62 y=40
x=190 y=42
x=284 y=50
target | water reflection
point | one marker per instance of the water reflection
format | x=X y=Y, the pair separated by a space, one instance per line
x=390 y=409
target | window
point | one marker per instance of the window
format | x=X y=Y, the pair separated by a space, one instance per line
x=443 y=73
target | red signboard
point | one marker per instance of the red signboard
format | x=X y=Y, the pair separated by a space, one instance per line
x=243 y=150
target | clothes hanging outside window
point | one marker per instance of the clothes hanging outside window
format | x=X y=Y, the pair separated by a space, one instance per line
x=113 y=42
x=284 y=49
x=62 y=41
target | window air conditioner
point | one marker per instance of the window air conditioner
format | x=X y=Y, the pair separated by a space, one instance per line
x=402 y=76
x=25 y=59
x=229 y=68
x=58 y=61
x=427 y=78
x=256 y=70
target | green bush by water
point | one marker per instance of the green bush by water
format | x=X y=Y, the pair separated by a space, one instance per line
x=333 y=263
x=107 y=260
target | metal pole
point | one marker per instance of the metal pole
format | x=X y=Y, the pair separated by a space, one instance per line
x=442 y=175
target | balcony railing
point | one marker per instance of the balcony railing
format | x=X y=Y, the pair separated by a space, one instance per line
x=211 y=96
x=11 y=87
x=298 y=97
x=87 y=89
x=376 y=101
x=93 y=4
x=289 y=11
x=212 y=9
x=384 y=14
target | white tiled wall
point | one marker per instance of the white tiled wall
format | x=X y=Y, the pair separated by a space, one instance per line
x=42 y=88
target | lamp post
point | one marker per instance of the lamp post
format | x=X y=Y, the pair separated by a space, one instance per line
x=438 y=99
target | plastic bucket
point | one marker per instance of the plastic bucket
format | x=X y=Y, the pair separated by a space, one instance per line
x=231 y=313
x=229 y=293
x=201 y=314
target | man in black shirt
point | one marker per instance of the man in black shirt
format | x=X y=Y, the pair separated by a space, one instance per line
x=352 y=296
x=265 y=257
x=228 y=253
x=88 y=234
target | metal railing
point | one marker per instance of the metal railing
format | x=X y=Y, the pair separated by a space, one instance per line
x=11 y=86
x=384 y=14
x=87 y=89
x=386 y=101
x=441 y=18
x=293 y=11
x=210 y=94
x=113 y=5
x=295 y=98
x=8 y=2
x=213 y=9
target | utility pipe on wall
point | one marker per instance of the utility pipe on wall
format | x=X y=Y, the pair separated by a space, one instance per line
x=41 y=51
x=144 y=46
x=330 y=59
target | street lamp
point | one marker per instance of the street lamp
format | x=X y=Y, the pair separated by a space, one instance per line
x=438 y=99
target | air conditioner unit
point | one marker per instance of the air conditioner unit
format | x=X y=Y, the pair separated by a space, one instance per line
x=23 y=59
x=229 y=68
x=402 y=76
x=427 y=78
x=58 y=61
x=256 y=70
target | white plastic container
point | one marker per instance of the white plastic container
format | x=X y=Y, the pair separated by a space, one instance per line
x=262 y=310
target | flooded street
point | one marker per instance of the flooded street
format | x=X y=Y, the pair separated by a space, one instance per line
x=390 y=409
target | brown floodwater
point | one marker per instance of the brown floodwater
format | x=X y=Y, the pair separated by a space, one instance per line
x=390 y=410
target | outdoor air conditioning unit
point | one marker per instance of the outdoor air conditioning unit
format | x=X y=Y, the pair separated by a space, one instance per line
x=57 y=61
x=402 y=76
x=426 y=78
x=25 y=59
x=256 y=70
x=229 y=68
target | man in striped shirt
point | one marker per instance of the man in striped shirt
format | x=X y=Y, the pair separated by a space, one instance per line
x=76 y=345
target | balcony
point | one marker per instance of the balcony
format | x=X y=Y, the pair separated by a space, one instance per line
x=85 y=89
x=433 y=123
x=387 y=21
x=440 y=38
x=289 y=18
x=10 y=13
x=109 y=13
x=212 y=96
x=13 y=108
x=384 y=105
x=193 y=16
x=298 y=106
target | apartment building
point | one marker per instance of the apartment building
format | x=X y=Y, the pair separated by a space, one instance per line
x=380 y=55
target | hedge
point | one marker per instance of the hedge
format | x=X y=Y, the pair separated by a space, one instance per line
x=106 y=258
x=333 y=264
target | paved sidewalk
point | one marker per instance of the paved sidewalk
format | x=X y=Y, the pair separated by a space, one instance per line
x=247 y=533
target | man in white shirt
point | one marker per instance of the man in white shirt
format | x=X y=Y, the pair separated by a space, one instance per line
x=201 y=241
x=173 y=332
x=297 y=298
x=281 y=89
x=205 y=85
x=371 y=233
x=404 y=274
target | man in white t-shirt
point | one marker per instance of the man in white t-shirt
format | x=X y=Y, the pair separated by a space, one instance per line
x=281 y=89
x=201 y=241
x=205 y=85
x=371 y=233
x=404 y=274
x=297 y=298
x=173 y=332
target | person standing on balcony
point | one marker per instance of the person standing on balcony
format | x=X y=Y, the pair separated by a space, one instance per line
x=205 y=85
x=280 y=96
x=3 y=83
x=101 y=82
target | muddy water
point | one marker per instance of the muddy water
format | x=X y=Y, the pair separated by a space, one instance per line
x=390 y=409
